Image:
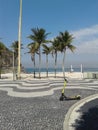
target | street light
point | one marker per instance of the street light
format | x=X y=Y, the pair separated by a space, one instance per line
x=19 y=42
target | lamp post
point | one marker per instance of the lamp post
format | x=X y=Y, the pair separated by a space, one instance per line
x=19 y=42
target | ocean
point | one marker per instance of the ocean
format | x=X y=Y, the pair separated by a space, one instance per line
x=31 y=70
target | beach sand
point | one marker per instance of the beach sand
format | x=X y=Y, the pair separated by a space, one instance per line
x=51 y=75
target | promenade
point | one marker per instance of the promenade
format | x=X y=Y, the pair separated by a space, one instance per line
x=35 y=105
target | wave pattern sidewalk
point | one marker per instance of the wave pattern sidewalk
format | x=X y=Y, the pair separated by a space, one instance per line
x=42 y=111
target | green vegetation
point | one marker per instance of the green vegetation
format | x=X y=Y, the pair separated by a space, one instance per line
x=65 y=39
x=39 y=37
x=39 y=45
x=5 y=57
x=60 y=43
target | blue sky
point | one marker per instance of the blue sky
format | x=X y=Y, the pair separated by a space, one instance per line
x=79 y=17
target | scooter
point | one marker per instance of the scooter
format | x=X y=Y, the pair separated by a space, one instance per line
x=64 y=98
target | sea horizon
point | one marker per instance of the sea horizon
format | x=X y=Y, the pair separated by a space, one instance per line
x=31 y=70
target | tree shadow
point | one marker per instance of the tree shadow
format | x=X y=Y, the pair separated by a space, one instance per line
x=88 y=121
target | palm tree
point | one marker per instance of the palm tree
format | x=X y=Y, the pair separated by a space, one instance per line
x=65 y=40
x=46 y=50
x=7 y=57
x=2 y=49
x=33 y=48
x=39 y=37
x=55 y=49
x=14 y=46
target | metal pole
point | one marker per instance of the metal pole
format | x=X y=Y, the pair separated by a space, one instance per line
x=19 y=42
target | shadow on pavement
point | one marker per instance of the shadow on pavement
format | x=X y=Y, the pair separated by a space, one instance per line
x=88 y=121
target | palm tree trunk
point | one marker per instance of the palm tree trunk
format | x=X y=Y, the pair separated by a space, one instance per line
x=39 y=62
x=47 y=64
x=55 y=63
x=33 y=60
x=34 y=65
x=63 y=68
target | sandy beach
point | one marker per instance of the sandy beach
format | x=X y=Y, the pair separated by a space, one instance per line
x=26 y=76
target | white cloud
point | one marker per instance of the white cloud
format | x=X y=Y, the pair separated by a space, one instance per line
x=93 y=30
x=88 y=47
x=86 y=40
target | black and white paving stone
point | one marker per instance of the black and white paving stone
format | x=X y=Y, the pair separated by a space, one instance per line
x=39 y=112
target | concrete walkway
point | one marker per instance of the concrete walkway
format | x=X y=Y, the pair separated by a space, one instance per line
x=35 y=105
x=42 y=87
x=74 y=112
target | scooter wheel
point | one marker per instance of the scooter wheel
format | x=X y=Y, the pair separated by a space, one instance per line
x=78 y=96
x=61 y=98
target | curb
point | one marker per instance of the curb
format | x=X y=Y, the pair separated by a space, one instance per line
x=70 y=116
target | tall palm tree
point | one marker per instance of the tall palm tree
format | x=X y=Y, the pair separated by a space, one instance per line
x=7 y=57
x=39 y=37
x=33 y=48
x=55 y=49
x=65 y=40
x=46 y=50
x=2 y=49
x=14 y=46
